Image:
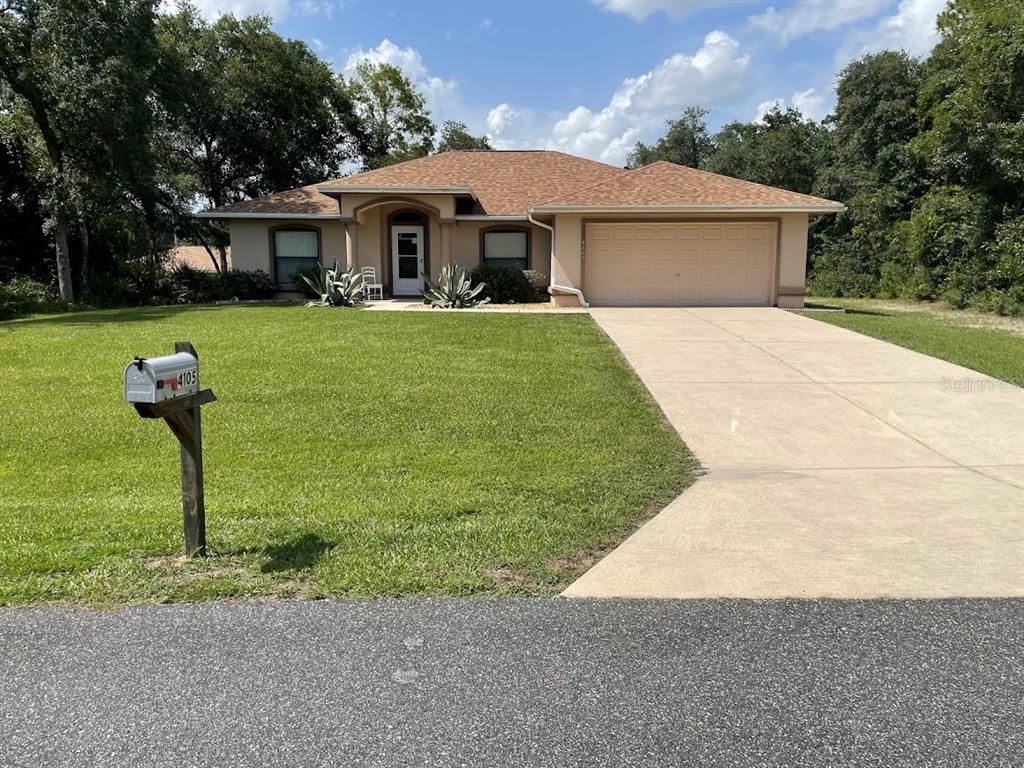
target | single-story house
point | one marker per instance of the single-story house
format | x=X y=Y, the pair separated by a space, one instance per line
x=663 y=234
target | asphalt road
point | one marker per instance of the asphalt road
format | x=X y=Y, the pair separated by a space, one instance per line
x=516 y=683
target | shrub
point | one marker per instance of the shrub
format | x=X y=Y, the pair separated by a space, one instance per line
x=302 y=283
x=944 y=240
x=247 y=285
x=454 y=290
x=505 y=285
x=23 y=295
x=1007 y=251
x=839 y=269
x=193 y=286
x=539 y=281
x=335 y=288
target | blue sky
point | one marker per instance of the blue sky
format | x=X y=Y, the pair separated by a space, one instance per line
x=592 y=78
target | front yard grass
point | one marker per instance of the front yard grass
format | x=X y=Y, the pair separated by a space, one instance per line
x=350 y=454
x=985 y=343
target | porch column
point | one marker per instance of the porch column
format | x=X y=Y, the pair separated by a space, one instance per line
x=351 y=251
x=446 y=243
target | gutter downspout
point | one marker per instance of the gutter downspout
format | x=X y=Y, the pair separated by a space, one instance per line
x=553 y=287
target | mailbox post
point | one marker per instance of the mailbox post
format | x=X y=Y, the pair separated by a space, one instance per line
x=168 y=388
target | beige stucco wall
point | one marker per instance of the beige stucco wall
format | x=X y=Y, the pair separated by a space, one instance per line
x=466 y=243
x=445 y=204
x=250 y=243
x=792 y=248
x=250 y=240
x=792 y=260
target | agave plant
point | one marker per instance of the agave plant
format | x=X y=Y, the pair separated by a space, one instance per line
x=453 y=289
x=335 y=287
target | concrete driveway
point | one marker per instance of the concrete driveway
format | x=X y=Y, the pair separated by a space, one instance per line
x=838 y=465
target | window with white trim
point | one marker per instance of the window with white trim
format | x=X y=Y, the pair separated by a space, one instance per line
x=295 y=250
x=507 y=248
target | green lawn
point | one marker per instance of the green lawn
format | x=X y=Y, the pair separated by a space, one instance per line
x=965 y=338
x=350 y=453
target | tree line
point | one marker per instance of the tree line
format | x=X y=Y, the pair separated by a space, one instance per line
x=928 y=157
x=117 y=122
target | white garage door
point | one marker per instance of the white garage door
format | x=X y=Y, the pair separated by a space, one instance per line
x=679 y=264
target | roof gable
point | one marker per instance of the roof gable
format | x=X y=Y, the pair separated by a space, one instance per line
x=504 y=182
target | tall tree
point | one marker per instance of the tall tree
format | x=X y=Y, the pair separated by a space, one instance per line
x=781 y=150
x=396 y=124
x=22 y=241
x=74 y=69
x=871 y=167
x=972 y=100
x=246 y=112
x=687 y=141
x=456 y=136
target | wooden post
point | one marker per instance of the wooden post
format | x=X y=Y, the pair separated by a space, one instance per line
x=192 y=502
x=181 y=414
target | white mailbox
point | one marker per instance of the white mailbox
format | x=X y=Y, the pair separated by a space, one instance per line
x=156 y=379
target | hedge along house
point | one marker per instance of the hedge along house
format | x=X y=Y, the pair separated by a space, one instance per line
x=661 y=235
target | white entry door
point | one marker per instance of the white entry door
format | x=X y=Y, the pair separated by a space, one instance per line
x=407 y=252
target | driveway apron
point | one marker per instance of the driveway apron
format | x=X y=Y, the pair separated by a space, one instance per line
x=837 y=465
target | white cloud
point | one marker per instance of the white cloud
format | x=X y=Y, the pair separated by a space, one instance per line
x=638 y=10
x=807 y=16
x=715 y=74
x=912 y=29
x=487 y=24
x=441 y=94
x=500 y=119
x=767 y=106
x=812 y=103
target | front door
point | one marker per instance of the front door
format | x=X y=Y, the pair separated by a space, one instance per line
x=407 y=266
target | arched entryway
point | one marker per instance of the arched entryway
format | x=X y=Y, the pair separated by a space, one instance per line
x=408 y=251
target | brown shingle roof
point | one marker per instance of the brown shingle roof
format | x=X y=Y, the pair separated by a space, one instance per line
x=302 y=200
x=505 y=183
x=668 y=185
x=509 y=183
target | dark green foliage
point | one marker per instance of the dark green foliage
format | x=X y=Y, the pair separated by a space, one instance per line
x=505 y=285
x=929 y=159
x=456 y=136
x=23 y=295
x=395 y=124
x=870 y=167
x=539 y=281
x=192 y=286
x=247 y=285
x=782 y=150
x=686 y=142
x=141 y=285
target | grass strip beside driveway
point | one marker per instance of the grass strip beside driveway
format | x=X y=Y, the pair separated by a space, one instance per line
x=349 y=454
x=947 y=335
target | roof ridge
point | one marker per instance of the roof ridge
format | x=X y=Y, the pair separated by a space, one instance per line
x=735 y=178
x=596 y=184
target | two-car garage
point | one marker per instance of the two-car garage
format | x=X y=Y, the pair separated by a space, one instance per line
x=680 y=263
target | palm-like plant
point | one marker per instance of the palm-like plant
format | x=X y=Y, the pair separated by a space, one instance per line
x=335 y=287
x=453 y=289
